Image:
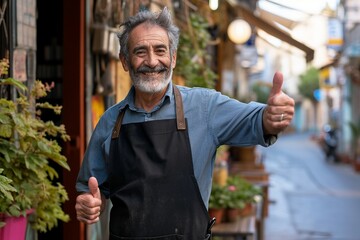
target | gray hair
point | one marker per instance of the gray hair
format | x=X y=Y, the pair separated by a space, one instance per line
x=162 y=19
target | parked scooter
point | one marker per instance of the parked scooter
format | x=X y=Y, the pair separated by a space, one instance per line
x=330 y=143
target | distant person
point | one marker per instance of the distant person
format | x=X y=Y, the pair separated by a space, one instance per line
x=153 y=153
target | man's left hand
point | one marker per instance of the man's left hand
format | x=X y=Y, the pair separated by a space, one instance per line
x=279 y=111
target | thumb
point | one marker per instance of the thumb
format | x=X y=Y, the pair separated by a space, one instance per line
x=277 y=84
x=94 y=187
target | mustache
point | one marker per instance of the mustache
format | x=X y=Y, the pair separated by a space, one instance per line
x=147 y=69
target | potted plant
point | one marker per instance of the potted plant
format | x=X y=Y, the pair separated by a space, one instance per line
x=234 y=202
x=234 y=199
x=241 y=195
x=217 y=202
x=29 y=151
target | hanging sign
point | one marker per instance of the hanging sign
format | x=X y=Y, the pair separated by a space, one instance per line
x=335 y=34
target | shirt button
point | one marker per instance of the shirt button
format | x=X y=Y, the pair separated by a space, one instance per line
x=147 y=116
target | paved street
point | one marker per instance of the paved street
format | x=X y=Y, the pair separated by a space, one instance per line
x=312 y=199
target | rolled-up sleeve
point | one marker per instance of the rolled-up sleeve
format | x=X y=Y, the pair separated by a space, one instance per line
x=95 y=161
x=235 y=123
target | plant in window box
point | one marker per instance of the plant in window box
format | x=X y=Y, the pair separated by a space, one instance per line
x=29 y=150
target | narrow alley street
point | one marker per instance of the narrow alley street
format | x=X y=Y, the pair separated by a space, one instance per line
x=310 y=198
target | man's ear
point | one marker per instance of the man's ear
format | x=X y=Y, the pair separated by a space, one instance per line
x=124 y=62
x=173 y=60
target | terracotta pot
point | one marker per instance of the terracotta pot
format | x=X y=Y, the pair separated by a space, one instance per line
x=218 y=213
x=232 y=214
x=247 y=210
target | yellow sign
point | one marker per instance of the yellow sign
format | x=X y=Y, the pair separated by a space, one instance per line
x=325 y=78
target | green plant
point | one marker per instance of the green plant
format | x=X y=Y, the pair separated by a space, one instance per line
x=192 y=57
x=235 y=194
x=262 y=91
x=218 y=197
x=29 y=150
x=235 y=197
x=246 y=191
x=309 y=82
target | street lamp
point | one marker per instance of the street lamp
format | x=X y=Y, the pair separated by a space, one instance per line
x=213 y=4
x=239 y=31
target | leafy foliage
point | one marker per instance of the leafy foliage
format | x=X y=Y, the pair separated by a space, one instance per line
x=192 y=55
x=218 y=197
x=309 y=83
x=245 y=191
x=28 y=152
x=262 y=92
x=5 y=187
x=235 y=194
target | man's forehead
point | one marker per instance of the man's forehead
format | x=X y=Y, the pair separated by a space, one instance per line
x=147 y=32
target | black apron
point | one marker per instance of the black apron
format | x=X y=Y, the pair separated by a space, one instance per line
x=152 y=184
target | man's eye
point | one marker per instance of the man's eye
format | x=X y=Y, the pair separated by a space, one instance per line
x=161 y=51
x=140 y=53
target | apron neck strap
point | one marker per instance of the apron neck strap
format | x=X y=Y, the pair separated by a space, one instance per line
x=180 y=119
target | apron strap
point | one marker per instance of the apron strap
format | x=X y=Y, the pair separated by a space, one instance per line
x=180 y=119
x=116 y=130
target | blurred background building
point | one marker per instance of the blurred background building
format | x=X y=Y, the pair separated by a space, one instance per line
x=74 y=44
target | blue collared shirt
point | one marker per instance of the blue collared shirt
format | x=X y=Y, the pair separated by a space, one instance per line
x=213 y=120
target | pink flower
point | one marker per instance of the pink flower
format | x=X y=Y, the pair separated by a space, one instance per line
x=232 y=188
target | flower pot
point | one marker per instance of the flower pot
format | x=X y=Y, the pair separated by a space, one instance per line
x=247 y=210
x=15 y=228
x=232 y=214
x=217 y=213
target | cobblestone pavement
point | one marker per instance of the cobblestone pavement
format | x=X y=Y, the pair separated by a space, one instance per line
x=311 y=198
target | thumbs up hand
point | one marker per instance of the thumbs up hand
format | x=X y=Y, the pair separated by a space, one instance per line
x=279 y=111
x=89 y=205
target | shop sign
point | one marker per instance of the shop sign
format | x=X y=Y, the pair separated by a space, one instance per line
x=335 y=34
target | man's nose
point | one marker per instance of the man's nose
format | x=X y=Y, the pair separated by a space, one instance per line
x=152 y=60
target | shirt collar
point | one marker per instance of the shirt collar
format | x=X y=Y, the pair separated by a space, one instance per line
x=130 y=98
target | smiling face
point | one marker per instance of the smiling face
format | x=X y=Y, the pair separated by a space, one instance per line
x=150 y=62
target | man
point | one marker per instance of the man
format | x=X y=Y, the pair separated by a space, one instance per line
x=153 y=153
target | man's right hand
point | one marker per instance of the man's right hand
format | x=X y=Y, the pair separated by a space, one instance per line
x=89 y=205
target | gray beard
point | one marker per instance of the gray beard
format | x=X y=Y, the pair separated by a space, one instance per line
x=149 y=84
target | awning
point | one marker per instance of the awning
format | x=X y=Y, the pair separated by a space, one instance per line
x=270 y=17
x=270 y=28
